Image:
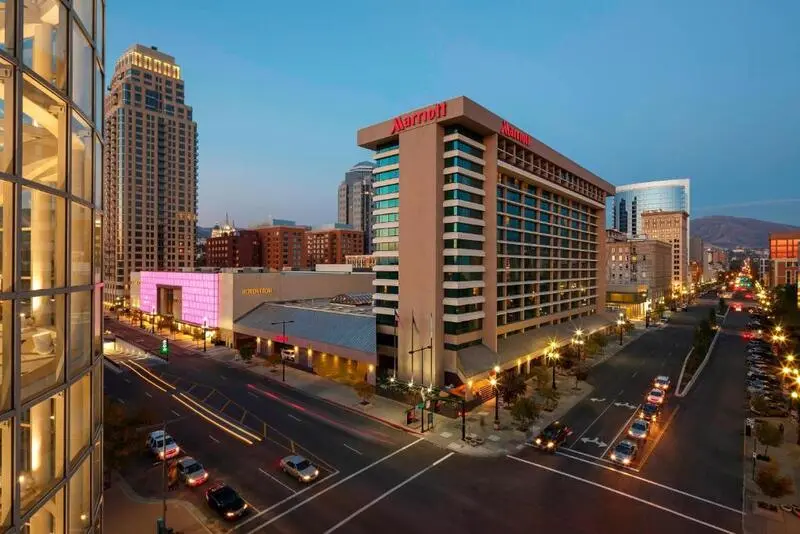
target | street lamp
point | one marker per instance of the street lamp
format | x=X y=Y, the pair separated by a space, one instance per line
x=620 y=322
x=578 y=342
x=284 y=340
x=153 y=319
x=553 y=356
x=493 y=382
x=205 y=326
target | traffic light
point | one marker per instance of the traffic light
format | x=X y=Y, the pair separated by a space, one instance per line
x=164 y=346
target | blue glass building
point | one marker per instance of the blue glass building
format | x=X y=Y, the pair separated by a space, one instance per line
x=624 y=210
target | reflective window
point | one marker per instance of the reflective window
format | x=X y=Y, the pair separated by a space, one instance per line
x=101 y=34
x=80 y=331
x=97 y=473
x=6 y=471
x=97 y=261
x=6 y=235
x=82 y=69
x=45 y=40
x=6 y=117
x=7 y=26
x=81 y=250
x=6 y=369
x=44 y=124
x=98 y=173
x=80 y=498
x=98 y=324
x=42 y=240
x=83 y=8
x=41 y=452
x=98 y=98
x=41 y=321
x=82 y=158
x=49 y=519
x=80 y=416
x=97 y=396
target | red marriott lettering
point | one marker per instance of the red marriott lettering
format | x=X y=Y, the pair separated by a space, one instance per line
x=517 y=135
x=437 y=111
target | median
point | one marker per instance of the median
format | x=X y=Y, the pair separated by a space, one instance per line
x=705 y=338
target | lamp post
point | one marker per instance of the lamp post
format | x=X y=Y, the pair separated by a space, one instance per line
x=620 y=323
x=553 y=356
x=153 y=321
x=578 y=341
x=205 y=326
x=283 y=360
x=493 y=382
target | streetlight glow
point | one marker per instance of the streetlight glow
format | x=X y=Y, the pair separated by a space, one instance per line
x=493 y=381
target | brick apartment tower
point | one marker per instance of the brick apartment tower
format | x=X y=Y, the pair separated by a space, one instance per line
x=333 y=245
x=237 y=248
x=284 y=245
x=150 y=171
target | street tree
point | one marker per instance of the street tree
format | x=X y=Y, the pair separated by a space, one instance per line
x=769 y=435
x=525 y=411
x=364 y=391
x=581 y=374
x=541 y=375
x=759 y=404
x=772 y=483
x=722 y=306
x=273 y=359
x=550 y=397
x=246 y=352
x=592 y=347
x=124 y=432
x=512 y=388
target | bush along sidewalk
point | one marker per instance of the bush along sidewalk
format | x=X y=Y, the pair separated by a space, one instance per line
x=705 y=337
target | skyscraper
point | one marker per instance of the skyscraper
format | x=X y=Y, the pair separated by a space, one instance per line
x=51 y=373
x=630 y=201
x=150 y=170
x=355 y=202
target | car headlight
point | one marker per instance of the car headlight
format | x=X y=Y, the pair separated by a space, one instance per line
x=613 y=456
x=316 y=472
x=229 y=514
x=538 y=441
x=626 y=461
x=190 y=480
x=550 y=444
x=306 y=477
x=160 y=454
x=245 y=506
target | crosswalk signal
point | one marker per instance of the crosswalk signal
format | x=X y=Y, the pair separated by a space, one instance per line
x=164 y=347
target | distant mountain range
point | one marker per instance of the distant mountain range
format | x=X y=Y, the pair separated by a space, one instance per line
x=733 y=232
x=203 y=232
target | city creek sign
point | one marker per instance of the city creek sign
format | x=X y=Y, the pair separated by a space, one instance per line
x=515 y=134
x=435 y=112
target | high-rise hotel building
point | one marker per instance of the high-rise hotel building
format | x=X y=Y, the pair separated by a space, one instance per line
x=51 y=373
x=150 y=171
x=486 y=240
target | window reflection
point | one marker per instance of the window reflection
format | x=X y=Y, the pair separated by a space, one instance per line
x=97 y=260
x=97 y=397
x=100 y=33
x=43 y=127
x=6 y=369
x=41 y=343
x=7 y=26
x=6 y=117
x=82 y=69
x=83 y=8
x=41 y=452
x=81 y=252
x=6 y=235
x=82 y=158
x=80 y=493
x=44 y=46
x=97 y=473
x=42 y=240
x=80 y=407
x=80 y=331
x=98 y=172
x=49 y=519
x=6 y=469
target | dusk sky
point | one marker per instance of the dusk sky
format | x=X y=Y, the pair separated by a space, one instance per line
x=632 y=90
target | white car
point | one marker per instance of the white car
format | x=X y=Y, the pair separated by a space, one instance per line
x=625 y=452
x=162 y=445
x=288 y=354
x=191 y=471
x=300 y=468
x=661 y=382
x=656 y=396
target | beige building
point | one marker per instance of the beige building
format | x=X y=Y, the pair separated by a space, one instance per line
x=486 y=242
x=639 y=274
x=150 y=171
x=671 y=227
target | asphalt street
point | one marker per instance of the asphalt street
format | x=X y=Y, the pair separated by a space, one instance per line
x=384 y=479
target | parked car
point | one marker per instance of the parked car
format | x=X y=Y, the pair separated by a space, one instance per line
x=288 y=354
x=224 y=500
x=191 y=472
x=161 y=445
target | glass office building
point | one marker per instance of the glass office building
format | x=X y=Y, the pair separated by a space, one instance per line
x=51 y=109
x=625 y=208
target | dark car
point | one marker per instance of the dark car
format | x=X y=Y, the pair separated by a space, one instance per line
x=553 y=436
x=649 y=412
x=224 y=500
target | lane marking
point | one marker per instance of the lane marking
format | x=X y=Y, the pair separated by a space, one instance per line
x=352 y=449
x=223 y=377
x=213 y=422
x=387 y=493
x=634 y=374
x=278 y=481
x=295 y=418
x=614 y=466
x=623 y=494
x=622 y=428
x=176 y=413
x=610 y=404
x=127 y=381
x=654 y=483
x=121 y=400
x=148 y=395
x=324 y=491
x=215 y=440
x=661 y=435
x=252 y=394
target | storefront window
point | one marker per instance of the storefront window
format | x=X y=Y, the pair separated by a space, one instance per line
x=6 y=117
x=44 y=121
x=80 y=410
x=41 y=322
x=80 y=331
x=45 y=40
x=82 y=70
x=49 y=519
x=41 y=451
x=81 y=253
x=80 y=494
x=82 y=158
x=6 y=471
x=42 y=240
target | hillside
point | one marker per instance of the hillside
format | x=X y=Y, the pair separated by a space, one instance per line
x=732 y=232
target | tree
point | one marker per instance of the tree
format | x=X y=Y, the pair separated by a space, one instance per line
x=541 y=375
x=123 y=432
x=550 y=397
x=246 y=352
x=525 y=411
x=769 y=435
x=601 y=340
x=581 y=374
x=273 y=359
x=364 y=391
x=772 y=483
x=513 y=388
x=592 y=347
x=722 y=306
x=759 y=404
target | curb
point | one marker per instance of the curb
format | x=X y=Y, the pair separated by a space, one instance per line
x=699 y=369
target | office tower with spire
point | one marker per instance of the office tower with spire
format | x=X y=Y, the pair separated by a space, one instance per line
x=150 y=171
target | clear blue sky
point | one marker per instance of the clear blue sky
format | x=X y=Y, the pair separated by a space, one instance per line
x=632 y=90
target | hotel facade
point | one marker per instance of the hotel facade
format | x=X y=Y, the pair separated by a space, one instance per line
x=486 y=243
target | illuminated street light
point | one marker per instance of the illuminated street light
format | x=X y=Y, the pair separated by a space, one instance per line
x=494 y=383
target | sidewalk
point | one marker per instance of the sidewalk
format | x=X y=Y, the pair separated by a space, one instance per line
x=446 y=432
x=759 y=519
x=127 y=513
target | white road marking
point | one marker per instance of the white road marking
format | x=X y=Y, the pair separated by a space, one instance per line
x=352 y=449
x=176 y=413
x=614 y=466
x=634 y=374
x=324 y=491
x=610 y=404
x=252 y=394
x=387 y=493
x=276 y=480
x=121 y=401
x=223 y=377
x=654 y=483
x=623 y=494
x=295 y=418
x=621 y=429
x=127 y=381
x=148 y=394
x=213 y=438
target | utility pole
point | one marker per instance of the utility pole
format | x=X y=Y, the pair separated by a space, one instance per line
x=283 y=360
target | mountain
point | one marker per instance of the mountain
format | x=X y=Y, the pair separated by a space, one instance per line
x=733 y=232
x=203 y=232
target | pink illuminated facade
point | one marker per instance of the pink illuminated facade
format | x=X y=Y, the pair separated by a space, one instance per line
x=189 y=297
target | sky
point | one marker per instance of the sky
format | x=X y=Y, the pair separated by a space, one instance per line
x=632 y=90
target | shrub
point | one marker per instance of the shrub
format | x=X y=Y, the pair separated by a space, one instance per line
x=772 y=483
x=364 y=391
x=525 y=411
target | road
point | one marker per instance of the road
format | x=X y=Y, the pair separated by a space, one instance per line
x=382 y=479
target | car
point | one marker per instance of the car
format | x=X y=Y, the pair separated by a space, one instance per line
x=656 y=396
x=649 y=412
x=191 y=472
x=625 y=452
x=288 y=354
x=737 y=307
x=684 y=307
x=300 y=468
x=661 y=382
x=162 y=445
x=639 y=429
x=224 y=500
x=553 y=436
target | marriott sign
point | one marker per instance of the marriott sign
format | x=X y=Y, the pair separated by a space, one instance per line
x=435 y=112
